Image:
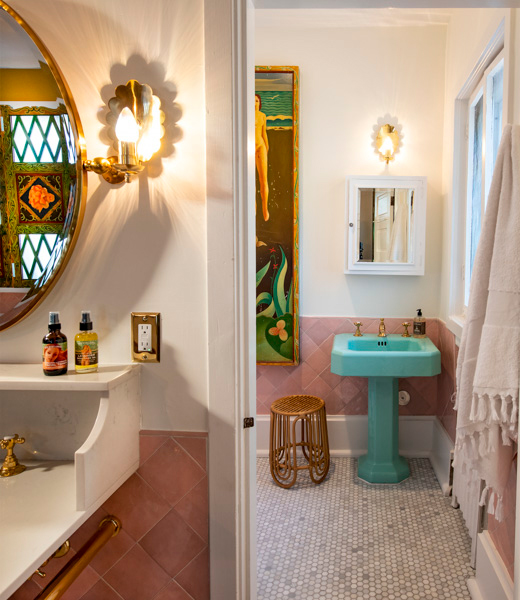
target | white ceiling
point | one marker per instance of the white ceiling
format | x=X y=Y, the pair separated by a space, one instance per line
x=422 y=4
x=338 y=17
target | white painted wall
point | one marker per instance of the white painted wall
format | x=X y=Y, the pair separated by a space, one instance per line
x=349 y=77
x=143 y=245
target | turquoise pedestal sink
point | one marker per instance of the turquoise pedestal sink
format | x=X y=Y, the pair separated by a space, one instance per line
x=383 y=361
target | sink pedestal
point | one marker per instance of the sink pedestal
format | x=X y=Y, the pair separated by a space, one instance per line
x=383 y=464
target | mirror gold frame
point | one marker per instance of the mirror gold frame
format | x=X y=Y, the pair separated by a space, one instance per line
x=71 y=227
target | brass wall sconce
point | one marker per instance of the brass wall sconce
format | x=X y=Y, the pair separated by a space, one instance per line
x=138 y=119
x=387 y=138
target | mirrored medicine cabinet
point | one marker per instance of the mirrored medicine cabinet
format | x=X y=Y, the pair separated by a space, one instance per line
x=385 y=225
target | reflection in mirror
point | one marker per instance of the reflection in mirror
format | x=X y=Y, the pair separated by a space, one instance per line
x=41 y=179
x=385 y=225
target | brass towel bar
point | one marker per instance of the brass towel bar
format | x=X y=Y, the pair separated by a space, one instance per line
x=109 y=527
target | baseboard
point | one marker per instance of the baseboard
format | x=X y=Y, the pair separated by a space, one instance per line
x=348 y=435
x=492 y=580
x=440 y=456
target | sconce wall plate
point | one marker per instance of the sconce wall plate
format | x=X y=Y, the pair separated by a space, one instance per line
x=136 y=115
x=387 y=137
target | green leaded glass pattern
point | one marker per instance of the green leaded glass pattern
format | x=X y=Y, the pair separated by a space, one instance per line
x=35 y=251
x=36 y=138
x=38 y=174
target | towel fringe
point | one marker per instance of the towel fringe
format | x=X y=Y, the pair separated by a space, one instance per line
x=491 y=503
x=484 y=495
x=499 y=509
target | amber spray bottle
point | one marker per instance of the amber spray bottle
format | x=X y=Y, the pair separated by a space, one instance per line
x=86 y=346
x=54 y=356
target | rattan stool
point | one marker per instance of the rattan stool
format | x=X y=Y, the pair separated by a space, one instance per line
x=286 y=412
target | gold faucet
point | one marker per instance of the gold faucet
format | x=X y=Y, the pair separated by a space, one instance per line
x=382 y=330
x=358 y=333
x=405 y=325
x=11 y=465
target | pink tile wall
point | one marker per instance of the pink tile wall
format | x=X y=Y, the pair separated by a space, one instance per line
x=161 y=552
x=342 y=395
x=503 y=534
x=446 y=380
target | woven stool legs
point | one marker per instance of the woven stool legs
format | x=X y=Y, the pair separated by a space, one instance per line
x=314 y=443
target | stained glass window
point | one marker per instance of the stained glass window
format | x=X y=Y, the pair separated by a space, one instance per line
x=35 y=252
x=36 y=138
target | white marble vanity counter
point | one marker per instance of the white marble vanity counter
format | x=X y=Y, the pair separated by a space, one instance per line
x=41 y=507
x=31 y=377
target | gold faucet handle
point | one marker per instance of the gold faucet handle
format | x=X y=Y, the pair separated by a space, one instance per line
x=10 y=440
x=406 y=325
x=11 y=465
x=382 y=330
x=358 y=333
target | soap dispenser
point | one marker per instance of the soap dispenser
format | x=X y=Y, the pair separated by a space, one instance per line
x=419 y=325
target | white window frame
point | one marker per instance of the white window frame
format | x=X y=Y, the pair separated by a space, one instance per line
x=496 y=51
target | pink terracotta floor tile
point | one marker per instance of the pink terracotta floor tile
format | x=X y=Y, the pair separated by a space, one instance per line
x=101 y=591
x=195 y=577
x=193 y=508
x=148 y=444
x=196 y=447
x=87 y=530
x=172 y=472
x=172 y=543
x=27 y=591
x=117 y=547
x=85 y=581
x=137 y=505
x=137 y=576
x=173 y=591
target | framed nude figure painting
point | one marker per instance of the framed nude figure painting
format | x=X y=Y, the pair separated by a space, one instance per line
x=276 y=158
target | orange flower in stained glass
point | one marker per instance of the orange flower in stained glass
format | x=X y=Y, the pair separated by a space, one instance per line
x=40 y=197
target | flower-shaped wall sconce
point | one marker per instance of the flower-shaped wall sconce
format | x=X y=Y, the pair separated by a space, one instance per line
x=387 y=138
x=138 y=119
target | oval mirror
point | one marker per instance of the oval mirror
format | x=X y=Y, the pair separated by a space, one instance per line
x=42 y=185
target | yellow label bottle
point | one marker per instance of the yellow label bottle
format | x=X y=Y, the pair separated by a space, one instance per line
x=86 y=346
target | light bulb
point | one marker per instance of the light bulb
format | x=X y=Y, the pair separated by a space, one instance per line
x=127 y=129
x=387 y=147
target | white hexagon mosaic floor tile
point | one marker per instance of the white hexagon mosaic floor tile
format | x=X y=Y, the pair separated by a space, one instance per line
x=347 y=539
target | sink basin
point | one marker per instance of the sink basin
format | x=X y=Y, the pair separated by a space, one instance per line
x=392 y=356
x=383 y=361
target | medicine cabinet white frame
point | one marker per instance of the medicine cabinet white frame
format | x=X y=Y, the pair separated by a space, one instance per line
x=416 y=265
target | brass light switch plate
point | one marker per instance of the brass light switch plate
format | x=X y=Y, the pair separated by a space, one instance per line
x=146 y=337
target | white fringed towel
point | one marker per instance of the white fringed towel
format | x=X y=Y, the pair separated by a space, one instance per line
x=489 y=359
